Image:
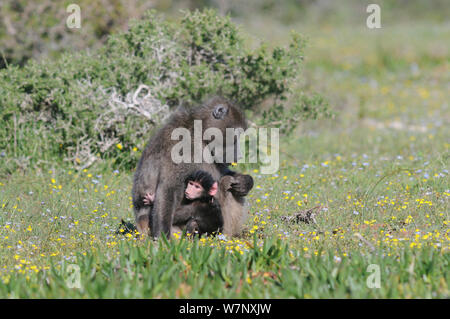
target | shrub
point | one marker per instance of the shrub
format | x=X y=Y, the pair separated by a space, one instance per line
x=87 y=106
x=36 y=29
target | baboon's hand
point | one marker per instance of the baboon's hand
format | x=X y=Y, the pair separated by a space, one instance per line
x=241 y=185
x=225 y=183
x=148 y=199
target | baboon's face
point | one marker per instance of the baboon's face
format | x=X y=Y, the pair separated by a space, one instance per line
x=225 y=115
x=230 y=122
x=194 y=190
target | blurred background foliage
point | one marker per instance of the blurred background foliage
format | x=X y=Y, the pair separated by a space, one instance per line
x=103 y=104
x=36 y=29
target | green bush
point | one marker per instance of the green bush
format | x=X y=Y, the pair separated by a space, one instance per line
x=37 y=29
x=86 y=106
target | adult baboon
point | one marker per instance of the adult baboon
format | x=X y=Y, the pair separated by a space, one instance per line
x=159 y=175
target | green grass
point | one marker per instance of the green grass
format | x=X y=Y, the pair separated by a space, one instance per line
x=379 y=169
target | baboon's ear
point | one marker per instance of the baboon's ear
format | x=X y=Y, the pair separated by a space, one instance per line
x=213 y=189
x=220 y=111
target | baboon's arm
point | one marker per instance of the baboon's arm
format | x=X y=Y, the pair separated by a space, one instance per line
x=183 y=214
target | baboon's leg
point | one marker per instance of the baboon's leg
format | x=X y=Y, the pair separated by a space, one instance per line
x=166 y=201
x=142 y=216
x=192 y=227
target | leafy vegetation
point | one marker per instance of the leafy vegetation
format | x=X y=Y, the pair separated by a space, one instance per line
x=87 y=106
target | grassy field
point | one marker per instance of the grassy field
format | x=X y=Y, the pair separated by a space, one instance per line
x=378 y=172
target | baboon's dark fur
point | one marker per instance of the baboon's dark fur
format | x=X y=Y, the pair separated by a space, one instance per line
x=201 y=215
x=156 y=173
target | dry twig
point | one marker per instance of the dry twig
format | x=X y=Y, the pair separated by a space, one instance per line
x=305 y=216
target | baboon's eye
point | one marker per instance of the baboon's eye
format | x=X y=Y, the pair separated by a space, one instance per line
x=220 y=111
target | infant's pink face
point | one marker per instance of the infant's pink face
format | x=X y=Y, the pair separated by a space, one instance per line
x=193 y=190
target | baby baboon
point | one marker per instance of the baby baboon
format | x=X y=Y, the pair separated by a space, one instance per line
x=199 y=211
x=157 y=174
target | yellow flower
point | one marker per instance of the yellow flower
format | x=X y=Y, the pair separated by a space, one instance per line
x=119 y=146
x=424 y=94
